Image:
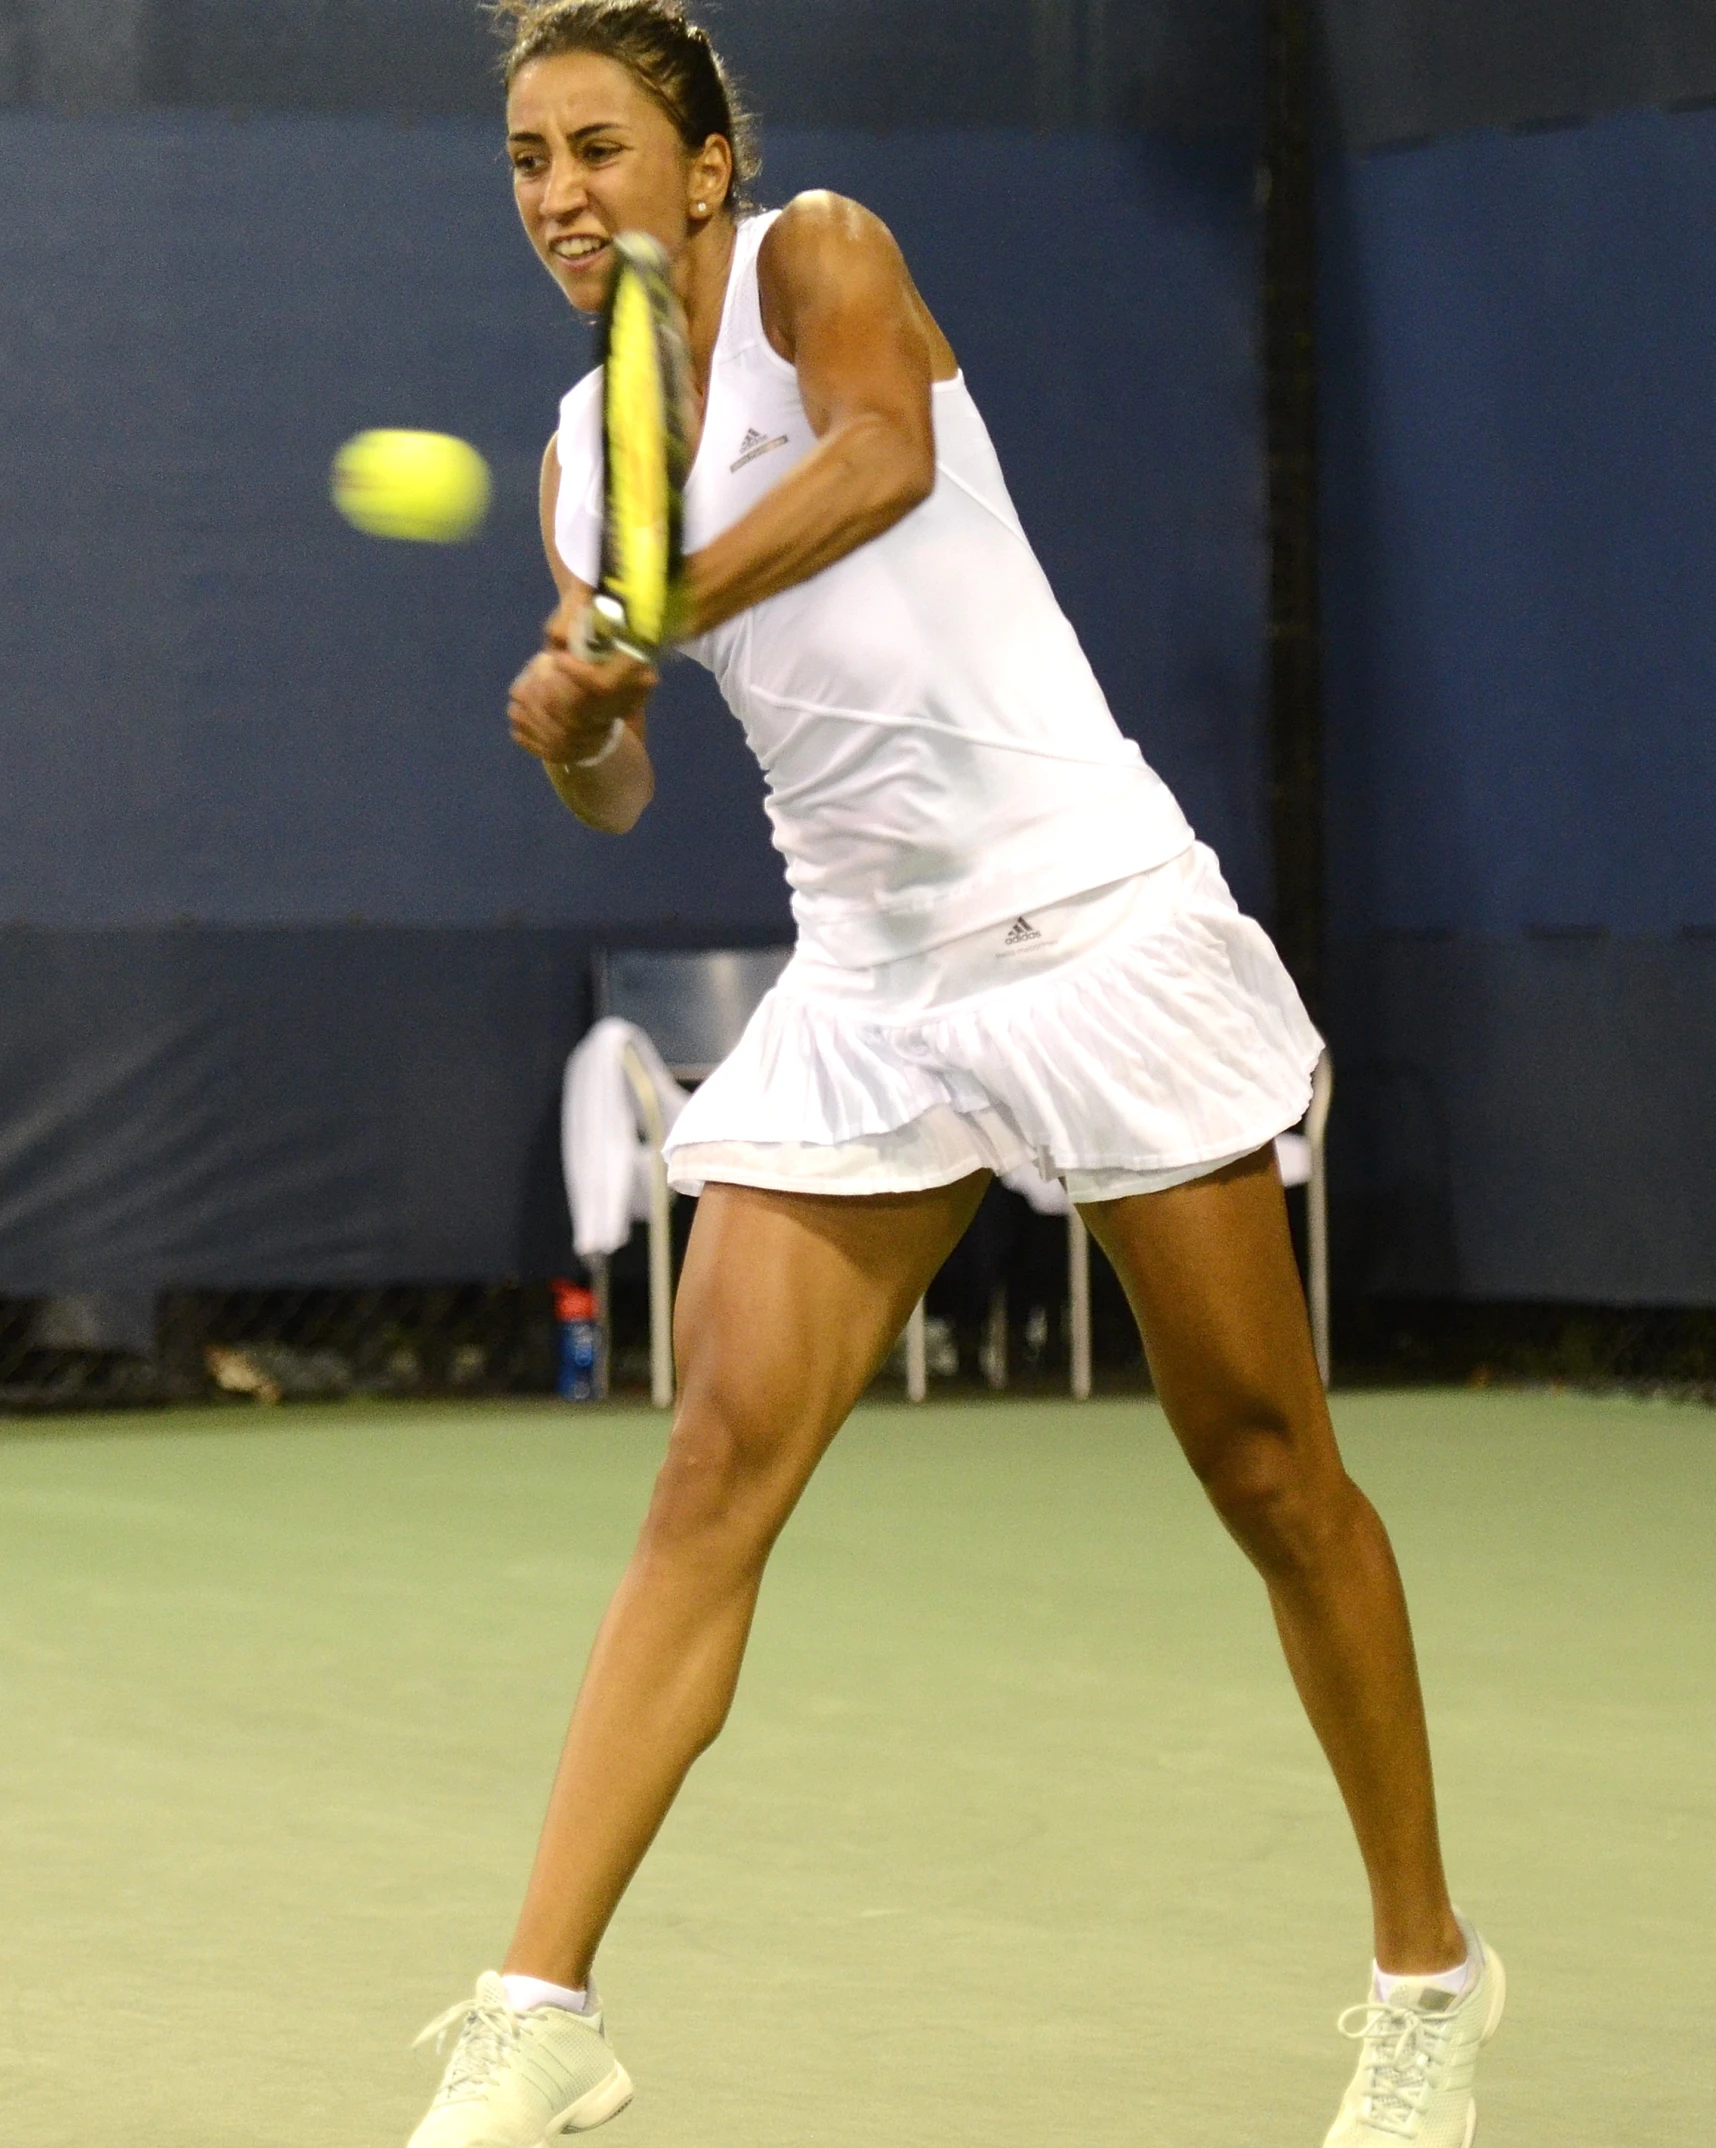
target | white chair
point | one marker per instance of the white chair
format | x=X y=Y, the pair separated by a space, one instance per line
x=1300 y=1158
x=693 y=1005
x=1048 y=1197
x=1078 y=1292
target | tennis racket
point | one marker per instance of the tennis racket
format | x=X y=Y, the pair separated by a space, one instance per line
x=645 y=387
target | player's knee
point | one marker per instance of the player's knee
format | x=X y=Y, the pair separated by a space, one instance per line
x=1262 y=1482
x=1247 y=1472
x=715 y=1496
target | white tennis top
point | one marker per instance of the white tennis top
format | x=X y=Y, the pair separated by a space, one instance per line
x=937 y=750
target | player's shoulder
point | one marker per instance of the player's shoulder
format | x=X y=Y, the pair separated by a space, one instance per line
x=820 y=229
x=819 y=215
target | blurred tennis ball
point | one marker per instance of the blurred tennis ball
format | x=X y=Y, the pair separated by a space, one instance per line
x=427 y=487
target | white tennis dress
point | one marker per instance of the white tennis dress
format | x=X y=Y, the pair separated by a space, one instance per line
x=1010 y=946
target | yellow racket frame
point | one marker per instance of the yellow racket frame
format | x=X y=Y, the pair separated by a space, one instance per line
x=644 y=374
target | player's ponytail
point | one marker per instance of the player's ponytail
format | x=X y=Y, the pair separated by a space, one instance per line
x=671 y=57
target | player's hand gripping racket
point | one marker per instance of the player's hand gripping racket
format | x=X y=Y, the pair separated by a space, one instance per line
x=645 y=388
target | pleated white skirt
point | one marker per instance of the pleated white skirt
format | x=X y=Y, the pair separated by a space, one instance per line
x=1131 y=1039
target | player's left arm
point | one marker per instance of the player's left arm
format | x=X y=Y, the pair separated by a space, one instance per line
x=839 y=304
x=583 y=719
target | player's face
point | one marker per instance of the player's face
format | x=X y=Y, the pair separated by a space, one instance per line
x=593 y=155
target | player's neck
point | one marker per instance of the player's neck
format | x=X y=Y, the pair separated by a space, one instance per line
x=701 y=275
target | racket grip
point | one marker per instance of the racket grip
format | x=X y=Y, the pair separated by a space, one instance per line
x=605 y=632
x=604 y=621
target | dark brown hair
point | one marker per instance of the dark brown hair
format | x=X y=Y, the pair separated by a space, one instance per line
x=671 y=57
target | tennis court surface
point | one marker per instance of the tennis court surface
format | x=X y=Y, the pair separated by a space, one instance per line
x=1017 y=1835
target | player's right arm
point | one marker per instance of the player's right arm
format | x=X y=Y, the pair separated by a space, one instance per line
x=583 y=721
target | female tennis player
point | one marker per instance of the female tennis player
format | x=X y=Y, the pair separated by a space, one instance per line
x=942 y=771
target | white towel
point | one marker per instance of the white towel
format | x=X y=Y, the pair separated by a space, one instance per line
x=1293 y=1154
x=602 y=1144
x=1046 y=1195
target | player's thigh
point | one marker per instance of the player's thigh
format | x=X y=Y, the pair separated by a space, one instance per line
x=790 y=1302
x=1210 y=1274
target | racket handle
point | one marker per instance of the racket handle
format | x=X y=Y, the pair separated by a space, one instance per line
x=604 y=622
x=605 y=632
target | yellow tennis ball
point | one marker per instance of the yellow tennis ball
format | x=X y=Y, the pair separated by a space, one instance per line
x=427 y=487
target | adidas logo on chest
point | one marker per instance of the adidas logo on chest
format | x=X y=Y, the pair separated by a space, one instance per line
x=755 y=445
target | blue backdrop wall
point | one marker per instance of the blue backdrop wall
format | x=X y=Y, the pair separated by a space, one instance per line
x=1519 y=346
x=292 y=941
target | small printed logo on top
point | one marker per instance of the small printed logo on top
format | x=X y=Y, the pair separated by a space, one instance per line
x=755 y=444
x=1022 y=933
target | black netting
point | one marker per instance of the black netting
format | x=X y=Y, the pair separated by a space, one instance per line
x=108 y=1350
x=1659 y=1350
x=999 y=1317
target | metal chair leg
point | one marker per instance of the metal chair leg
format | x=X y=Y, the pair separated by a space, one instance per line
x=917 y=1354
x=660 y=1234
x=994 y=1353
x=1078 y=1290
x=1317 y=1214
x=660 y=1286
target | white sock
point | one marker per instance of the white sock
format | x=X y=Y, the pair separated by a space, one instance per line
x=525 y=1993
x=1454 y=1980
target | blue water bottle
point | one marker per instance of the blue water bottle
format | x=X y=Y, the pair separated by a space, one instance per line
x=580 y=1339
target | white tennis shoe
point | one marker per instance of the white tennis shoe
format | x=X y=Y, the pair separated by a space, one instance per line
x=520 y=2080
x=1419 y=2051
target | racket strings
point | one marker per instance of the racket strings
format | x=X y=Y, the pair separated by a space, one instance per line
x=644 y=441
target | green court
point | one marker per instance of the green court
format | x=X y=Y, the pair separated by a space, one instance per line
x=1017 y=1835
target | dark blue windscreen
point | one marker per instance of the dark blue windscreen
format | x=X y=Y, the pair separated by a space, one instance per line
x=1519 y=477
x=222 y=705
x=297 y=938
x=1520 y=480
